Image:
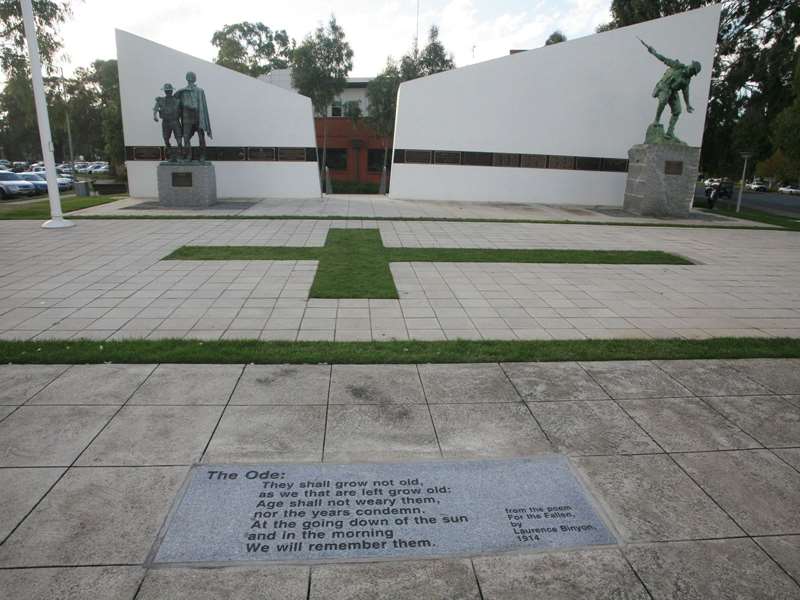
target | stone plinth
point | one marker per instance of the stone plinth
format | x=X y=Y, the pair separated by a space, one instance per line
x=661 y=179
x=187 y=185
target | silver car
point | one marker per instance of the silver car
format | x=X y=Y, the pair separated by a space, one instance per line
x=11 y=185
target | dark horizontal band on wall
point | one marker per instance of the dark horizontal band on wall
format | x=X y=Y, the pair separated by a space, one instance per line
x=504 y=159
x=229 y=153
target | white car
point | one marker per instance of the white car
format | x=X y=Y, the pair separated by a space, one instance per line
x=711 y=181
x=789 y=189
x=11 y=185
x=757 y=186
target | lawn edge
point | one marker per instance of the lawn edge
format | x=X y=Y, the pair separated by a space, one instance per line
x=398 y=352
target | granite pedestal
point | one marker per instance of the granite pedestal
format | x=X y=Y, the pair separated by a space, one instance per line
x=187 y=185
x=661 y=180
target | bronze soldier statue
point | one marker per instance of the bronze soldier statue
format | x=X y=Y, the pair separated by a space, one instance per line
x=675 y=79
x=167 y=107
x=194 y=116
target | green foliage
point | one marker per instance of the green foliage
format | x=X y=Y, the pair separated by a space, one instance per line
x=382 y=97
x=106 y=76
x=354 y=263
x=555 y=38
x=48 y=14
x=778 y=168
x=252 y=48
x=433 y=58
x=321 y=64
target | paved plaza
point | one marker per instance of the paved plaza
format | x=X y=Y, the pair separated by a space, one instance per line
x=696 y=466
x=105 y=279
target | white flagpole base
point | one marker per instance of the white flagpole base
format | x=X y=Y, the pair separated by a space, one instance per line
x=57 y=223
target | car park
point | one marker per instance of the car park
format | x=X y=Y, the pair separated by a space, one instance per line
x=38 y=181
x=11 y=185
x=789 y=189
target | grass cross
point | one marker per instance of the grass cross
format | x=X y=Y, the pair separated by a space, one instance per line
x=354 y=263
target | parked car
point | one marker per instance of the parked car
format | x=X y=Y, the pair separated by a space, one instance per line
x=757 y=186
x=11 y=185
x=5 y=164
x=789 y=189
x=19 y=166
x=38 y=181
x=710 y=182
x=101 y=170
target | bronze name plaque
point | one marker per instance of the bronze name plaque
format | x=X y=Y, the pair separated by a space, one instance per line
x=181 y=180
x=533 y=161
x=447 y=158
x=673 y=167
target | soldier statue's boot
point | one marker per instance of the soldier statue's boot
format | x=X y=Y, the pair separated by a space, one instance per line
x=673 y=120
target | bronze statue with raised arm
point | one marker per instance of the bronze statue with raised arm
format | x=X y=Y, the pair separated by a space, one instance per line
x=674 y=81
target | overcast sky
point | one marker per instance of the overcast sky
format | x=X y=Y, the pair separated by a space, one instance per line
x=474 y=30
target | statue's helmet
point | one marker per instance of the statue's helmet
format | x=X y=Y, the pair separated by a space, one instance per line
x=695 y=67
x=191 y=77
x=167 y=87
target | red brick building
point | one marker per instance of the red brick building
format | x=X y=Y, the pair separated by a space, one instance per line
x=355 y=153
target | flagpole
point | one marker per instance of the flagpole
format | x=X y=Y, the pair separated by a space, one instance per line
x=57 y=220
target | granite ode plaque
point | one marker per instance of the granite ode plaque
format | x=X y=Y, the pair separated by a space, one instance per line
x=308 y=512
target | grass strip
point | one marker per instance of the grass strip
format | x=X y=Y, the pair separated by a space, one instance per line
x=354 y=263
x=406 y=352
x=41 y=209
x=751 y=214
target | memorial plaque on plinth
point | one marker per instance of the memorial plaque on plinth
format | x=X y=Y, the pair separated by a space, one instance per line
x=661 y=180
x=326 y=512
x=186 y=185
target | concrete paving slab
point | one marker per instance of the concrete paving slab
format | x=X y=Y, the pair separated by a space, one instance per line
x=635 y=379
x=587 y=428
x=97 y=583
x=546 y=382
x=6 y=410
x=19 y=382
x=649 y=498
x=467 y=383
x=264 y=583
x=94 y=384
x=256 y=434
x=283 y=384
x=376 y=384
x=153 y=435
x=487 y=430
x=188 y=384
x=711 y=377
x=36 y=436
x=20 y=490
x=781 y=376
x=772 y=420
x=784 y=550
x=710 y=569
x=381 y=432
x=410 y=580
x=95 y=516
x=564 y=575
x=686 y=425
x=755 y=487
x=790 y=455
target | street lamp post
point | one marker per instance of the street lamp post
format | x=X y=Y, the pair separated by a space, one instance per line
x=745 y=156
x=57 y=220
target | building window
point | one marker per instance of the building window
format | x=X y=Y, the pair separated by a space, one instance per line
x=336 y=158
x=376 y=160
x=336 y=108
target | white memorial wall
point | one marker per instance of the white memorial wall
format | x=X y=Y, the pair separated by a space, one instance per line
x=551 y=125
x=263 y=144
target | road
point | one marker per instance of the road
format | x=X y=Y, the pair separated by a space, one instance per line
x=772 y=202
